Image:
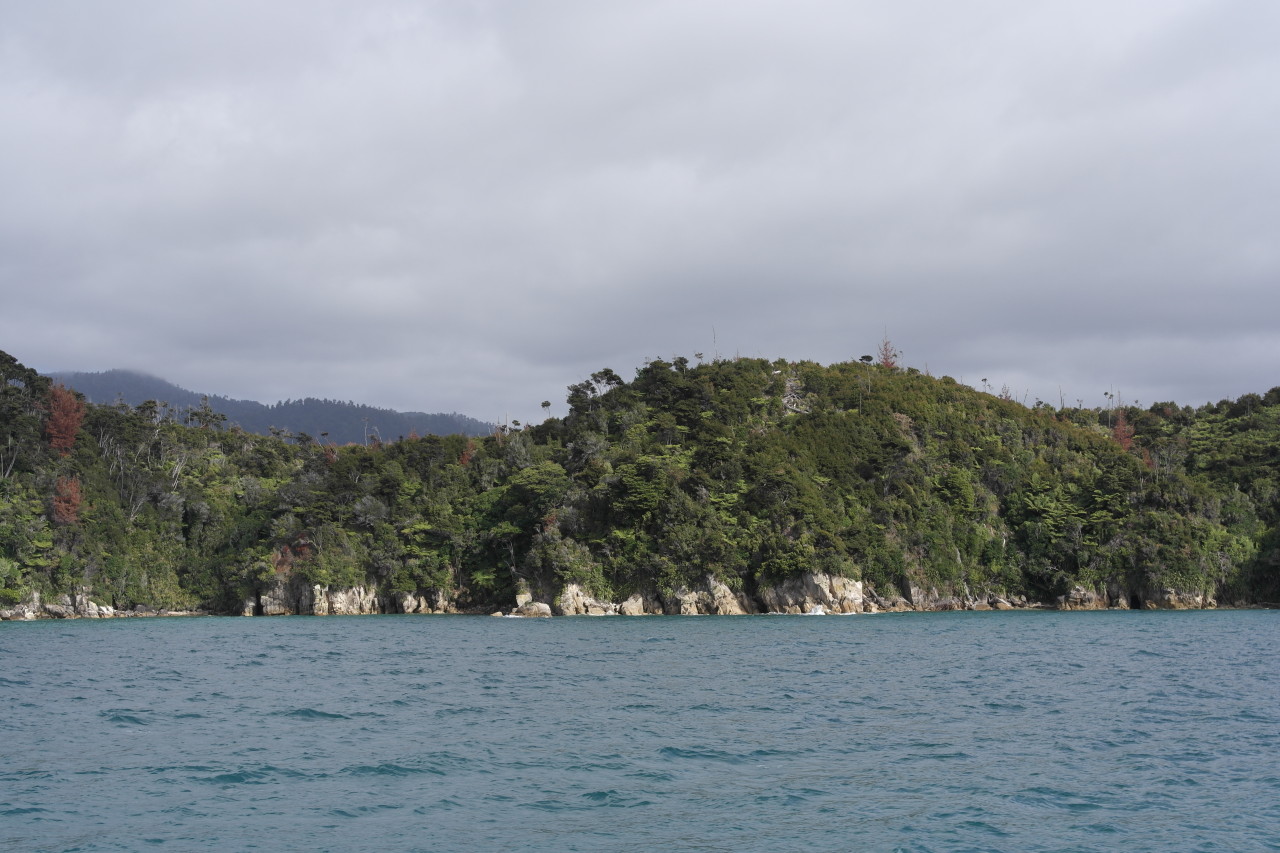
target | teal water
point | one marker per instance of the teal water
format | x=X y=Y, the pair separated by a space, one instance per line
x=1022 y=731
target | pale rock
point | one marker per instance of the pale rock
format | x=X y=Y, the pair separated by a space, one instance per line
x=1171 y=599
x=59 y=611
x=1118 y=597
x=1082 y=598
x=574 y=601
x=437 y=601
x=725 y=602
x=804 y=592
x=685 y=602
x=407 y=602
x=277 y=600
x=353 y=601
x=640 y=605
x=533 y=609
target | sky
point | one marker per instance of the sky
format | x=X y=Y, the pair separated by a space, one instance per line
x=468 y=206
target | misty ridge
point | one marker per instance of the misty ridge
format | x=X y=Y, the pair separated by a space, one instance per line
x=326 y=420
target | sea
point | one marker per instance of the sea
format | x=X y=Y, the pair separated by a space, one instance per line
x=1001 y=731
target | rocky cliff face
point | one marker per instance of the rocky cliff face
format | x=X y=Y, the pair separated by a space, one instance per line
x=1120 y=598
x=293 y=596
x=810 y=593
x=816 y=593
x=80 y=606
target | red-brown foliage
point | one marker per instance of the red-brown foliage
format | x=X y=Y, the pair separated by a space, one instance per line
x=67 y=498
x=1122 y=432
x=467 y=452
x=888 y=356
x=66 y=412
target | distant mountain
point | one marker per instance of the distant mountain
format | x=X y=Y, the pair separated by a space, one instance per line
x=337 y=421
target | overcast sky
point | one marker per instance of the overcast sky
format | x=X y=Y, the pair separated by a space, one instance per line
x=467 y=206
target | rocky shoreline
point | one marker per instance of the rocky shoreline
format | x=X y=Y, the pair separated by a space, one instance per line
x=811 y=593
x=817 y=594
x=80 y=606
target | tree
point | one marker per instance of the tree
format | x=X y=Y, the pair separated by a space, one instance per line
x=67 y=497
x=888 y=355
x=66 y=412
x=1122 y=432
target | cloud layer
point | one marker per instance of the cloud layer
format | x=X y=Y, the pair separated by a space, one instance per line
x=468 y=206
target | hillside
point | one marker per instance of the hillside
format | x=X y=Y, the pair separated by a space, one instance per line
x=730 y=486
x=339 y=422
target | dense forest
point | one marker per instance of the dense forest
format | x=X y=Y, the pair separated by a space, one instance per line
x=341 y=422
x=742 y=472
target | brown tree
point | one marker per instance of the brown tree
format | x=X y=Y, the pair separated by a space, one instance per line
x=1122 y=432
x=67 y=498
x=888 y=355
x=66 y=412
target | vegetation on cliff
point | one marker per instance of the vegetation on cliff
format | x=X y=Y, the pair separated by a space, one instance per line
x=748 y=470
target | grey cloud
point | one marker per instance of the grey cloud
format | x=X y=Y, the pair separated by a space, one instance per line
x=471 y=206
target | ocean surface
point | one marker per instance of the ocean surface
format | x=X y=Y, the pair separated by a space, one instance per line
x=1021 y=731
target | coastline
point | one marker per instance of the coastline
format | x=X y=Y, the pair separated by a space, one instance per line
x=809 y=594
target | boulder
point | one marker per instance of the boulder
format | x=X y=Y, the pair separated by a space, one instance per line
x=59 y=611
x=533 y=609
x=640 y=605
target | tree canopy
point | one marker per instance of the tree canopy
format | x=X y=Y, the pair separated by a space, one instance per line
x=750 y=470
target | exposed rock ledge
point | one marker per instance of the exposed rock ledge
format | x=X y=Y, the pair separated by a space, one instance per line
x=1119 y=598
x=815 y=593
x=294 y=596
x=80 y=606
x=809 y=593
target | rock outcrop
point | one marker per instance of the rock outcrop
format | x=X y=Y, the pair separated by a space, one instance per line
x=641 y=605
x=288 y=596
x=710 y=598
x=1119 y=598
x=574 y=601
x=533 y=609
x=1082 y=598
x=80 y=606
x=1172 y=599
x=806 y=592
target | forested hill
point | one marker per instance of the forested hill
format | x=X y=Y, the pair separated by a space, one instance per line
x=744 y=472
x=340 y=422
